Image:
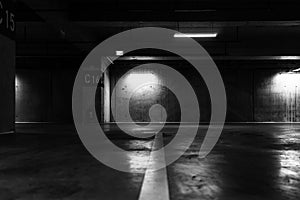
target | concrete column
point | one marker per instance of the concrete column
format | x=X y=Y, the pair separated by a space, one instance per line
x=106 y=92
x=7 y=67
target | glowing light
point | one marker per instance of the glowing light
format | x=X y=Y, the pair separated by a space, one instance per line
x=141 y=58
x=289 y=57
x=17 y=83
x=287 y=81
x=136 y=80
x=119 y=53
x=195 y=35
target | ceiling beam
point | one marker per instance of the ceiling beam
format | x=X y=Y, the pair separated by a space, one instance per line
x=228 y=10
x=47 y=10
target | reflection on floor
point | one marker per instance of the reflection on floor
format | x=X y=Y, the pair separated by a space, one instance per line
x=249 y=162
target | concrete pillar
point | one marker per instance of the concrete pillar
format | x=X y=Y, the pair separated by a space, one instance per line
x=106 y=92
x=7 y=66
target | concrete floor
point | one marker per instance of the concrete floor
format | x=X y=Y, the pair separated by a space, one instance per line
x=249 y=162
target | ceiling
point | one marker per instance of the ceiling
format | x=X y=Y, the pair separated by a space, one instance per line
x=245 y=27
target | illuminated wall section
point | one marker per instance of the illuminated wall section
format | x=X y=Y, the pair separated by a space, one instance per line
x=7 y=67
x=259 y=93
x=288 y=84
x=147 y=88
x=277 y=97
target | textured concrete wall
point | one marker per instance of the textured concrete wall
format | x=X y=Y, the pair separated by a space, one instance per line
x=239 y=90
x=44 y=95
x=7 y=84
x=33 y=96
x=255 y=92
x=277 y=96
x=238 y=85
x=143 y=97
x=106 y=97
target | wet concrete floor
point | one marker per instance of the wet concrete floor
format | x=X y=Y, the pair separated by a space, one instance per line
x=248 y=162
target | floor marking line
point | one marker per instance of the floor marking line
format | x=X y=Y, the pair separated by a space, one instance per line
x=155 y=184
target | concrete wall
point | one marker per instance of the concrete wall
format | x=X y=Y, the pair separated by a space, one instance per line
x=7 y=84
x=106 y=97
x=255 y=92
x=277 y=96
x=143 y=97
x=7 y=65
x=238 y=85
x=44 y=95
x=239 y=90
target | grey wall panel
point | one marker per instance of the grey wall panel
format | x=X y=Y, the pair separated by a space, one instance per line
x=44 y=95
x=7 y=84
x=33 y=100
x=255 y=92
x=277 y=96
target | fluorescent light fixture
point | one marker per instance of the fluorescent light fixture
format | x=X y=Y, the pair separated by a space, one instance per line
x=296 y=70
x=119 y=53
x=289 y=57
x=204 y=10
x=195 y=35
x=141 y=58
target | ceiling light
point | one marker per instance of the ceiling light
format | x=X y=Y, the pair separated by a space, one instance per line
x=195 y=35
x=289 y=57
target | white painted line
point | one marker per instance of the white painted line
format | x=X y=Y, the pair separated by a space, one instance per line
x=155 y=184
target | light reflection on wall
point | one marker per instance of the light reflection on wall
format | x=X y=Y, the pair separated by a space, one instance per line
x=286 y=93
x=17 y=95
x=133 y=81
x=287 y=81
x=17 y=82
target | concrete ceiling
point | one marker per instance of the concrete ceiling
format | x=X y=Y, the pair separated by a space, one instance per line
x=245 y=27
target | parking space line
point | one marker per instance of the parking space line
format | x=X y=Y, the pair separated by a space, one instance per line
x=155 y=184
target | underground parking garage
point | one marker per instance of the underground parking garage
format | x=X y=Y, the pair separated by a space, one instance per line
x=147 y=100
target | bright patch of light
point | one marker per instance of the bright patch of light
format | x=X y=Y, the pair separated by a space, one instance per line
x=137 y=161
x=17 y=83
x=195 y=35
x=136 y=80
x=287 y=81
x=119 y=53
x=290 y=163
x=289 y=57
x=142 y=58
